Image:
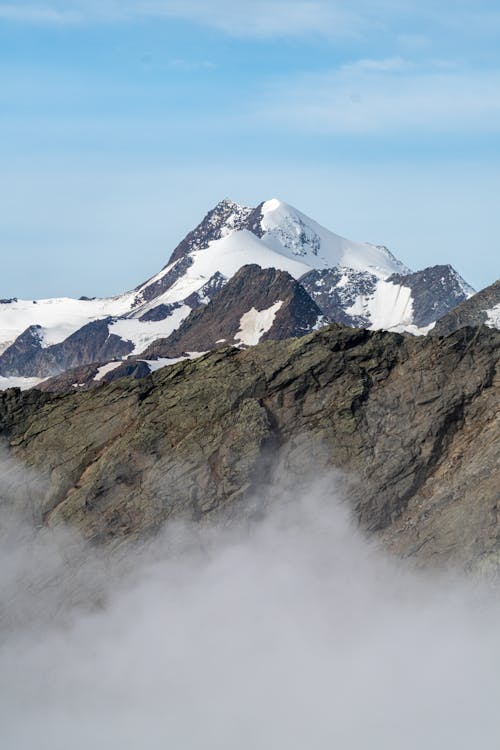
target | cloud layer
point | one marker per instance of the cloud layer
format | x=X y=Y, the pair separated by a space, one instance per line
x=290 y=634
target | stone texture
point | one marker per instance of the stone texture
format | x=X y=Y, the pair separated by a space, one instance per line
x=435 y=291
x=217 y=323
x=26 y=357
x=414 y=422
x=472 y=312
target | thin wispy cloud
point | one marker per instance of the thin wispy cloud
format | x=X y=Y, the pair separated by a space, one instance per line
x=385 y=96
x=39 y=14
x=260 y=18
x=269 y=18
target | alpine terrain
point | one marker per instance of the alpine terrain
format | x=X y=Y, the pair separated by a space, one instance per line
x=243 y=275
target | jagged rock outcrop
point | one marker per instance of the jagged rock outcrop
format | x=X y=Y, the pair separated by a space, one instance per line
x=28 y=357
x=435 y=291
x=413 y=421
x=94 y=375
x=335 y=291
x=354 y=283
x=255 y=305
x=481 y=309
x=355 y=298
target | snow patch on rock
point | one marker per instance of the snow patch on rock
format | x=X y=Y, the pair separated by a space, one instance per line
x=104 y=369
x=23 y=383
x=254 y=323
x=143 y=333
x=493 y=315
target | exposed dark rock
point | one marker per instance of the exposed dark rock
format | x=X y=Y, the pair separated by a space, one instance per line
x=473 y=312
x=207 y=291
x=88 y=376
x=17 y=359
x=160 y=312
x=253 y=222
x=414 y=421
x=153 y=288
x=133 y=368
x=91 y=343
x=74 y=379
x=435 y=291
x=335 y=290
x=218 y=323
x=225 y=216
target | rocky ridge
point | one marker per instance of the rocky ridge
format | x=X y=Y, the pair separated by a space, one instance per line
x=481 y=309
x=414 y=423
x=255 y=305
x=354 y=283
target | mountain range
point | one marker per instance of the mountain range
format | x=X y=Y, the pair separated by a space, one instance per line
x=242 y=276
x=411 y=422
x=267 y=348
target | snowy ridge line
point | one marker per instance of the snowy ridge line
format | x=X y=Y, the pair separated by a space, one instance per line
x=272 y=235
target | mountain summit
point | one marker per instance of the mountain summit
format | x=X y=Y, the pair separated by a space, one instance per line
x=355 y=283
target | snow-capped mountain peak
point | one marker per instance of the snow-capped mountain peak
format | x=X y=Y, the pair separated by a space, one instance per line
x=356 y=283
x=287 y=230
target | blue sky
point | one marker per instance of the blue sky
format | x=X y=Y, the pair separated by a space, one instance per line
x=122 y=122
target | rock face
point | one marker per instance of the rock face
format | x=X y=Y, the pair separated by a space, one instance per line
x=94 y=375
x=435 y=291
x=481 y=309
x=93 y=342
x=359 y=298
x=336 y=291
x=354 y=283
x=413 y=421
x=255 y=305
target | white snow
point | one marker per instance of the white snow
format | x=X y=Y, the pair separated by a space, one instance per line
x=104 y=369
x=227 y=256
x=464 y=286
x=389 y=306
x=157 y=364
x=254 y=323
x=291 y=242
x=293 y=234
x=493 y=317
x=59 y=317
x=23 y=383
x=156 y=277
x=413 y=329
x=142 y=333
x=392 y=305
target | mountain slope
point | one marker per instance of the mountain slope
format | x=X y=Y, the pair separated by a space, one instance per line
x=256 y=305
x=403 y=302
x=414 y=421
x=481 y=309
x=360 y=278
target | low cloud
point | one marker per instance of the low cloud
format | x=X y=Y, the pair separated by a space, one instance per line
x=288 y=633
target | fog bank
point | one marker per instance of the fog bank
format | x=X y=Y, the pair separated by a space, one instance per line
x=292 y=633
